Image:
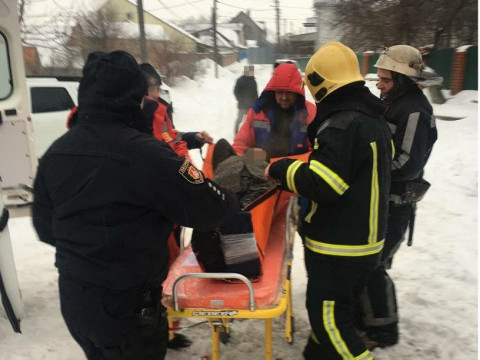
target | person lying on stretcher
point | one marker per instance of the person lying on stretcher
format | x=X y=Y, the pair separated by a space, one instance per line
x=233 y=247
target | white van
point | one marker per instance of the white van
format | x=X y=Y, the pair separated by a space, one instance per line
x=51 y=99
x=17 y=160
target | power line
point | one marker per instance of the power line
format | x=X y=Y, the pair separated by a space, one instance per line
x=169 y=9
x=179 y=5
x=243 y=8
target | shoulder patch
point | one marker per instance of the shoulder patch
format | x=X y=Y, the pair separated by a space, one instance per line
x=190 y=173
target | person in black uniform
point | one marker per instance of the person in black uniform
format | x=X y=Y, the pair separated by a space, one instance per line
x=246 y=93
x=347 y=181
x=410 y=118
x=106 y=195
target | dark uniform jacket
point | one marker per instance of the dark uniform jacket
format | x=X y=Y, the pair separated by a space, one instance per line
x=347 y=177
x=106 y=195
x=245 y=91
x=410 y=118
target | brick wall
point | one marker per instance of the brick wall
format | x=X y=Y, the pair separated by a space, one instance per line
x=459 y=65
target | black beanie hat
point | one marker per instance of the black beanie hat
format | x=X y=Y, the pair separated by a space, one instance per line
x=153 y=78
x=112 y=82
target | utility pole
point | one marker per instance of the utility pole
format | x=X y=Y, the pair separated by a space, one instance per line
x=277 y=9
x=215 y=48
x=141 y=24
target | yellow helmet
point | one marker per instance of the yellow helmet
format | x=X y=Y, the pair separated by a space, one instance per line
x=403 y=59
x=333 y=65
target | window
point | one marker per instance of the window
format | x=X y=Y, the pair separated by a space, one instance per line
x=6 y=85
x=49 y=99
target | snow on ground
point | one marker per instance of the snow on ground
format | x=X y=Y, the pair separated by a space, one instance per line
x=436 y=278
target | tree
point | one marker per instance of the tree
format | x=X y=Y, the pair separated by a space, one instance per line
x=372 y=24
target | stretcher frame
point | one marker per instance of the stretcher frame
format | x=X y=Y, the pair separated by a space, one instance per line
x=220 y=319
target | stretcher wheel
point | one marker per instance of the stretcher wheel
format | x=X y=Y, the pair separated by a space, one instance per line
x=224 y=337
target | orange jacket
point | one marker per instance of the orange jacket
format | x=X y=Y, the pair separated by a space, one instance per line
x=162 y=127
x=256 y=128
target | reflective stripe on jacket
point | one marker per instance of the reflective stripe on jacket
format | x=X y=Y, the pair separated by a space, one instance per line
x=162 y=127
x=256 y=129
x=347 y=179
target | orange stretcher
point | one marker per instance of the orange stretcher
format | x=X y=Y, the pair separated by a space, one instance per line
x=190 y=292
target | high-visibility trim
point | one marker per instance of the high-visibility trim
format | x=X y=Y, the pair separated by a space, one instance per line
x=308 y=218
x=401 y=161
x=260 y=124
x=292 y=169
x=393 y=148
x=330 y=326
x=343 y=250
x=315 y=144
x=374 y=198
x=366 y=355
x=329 y=176
x=314 y=338
x=410 y=131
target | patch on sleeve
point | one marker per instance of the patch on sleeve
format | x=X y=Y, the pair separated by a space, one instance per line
x=191 y=173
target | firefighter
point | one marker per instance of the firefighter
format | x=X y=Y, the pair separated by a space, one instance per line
x=347 y=181
x=411 y=120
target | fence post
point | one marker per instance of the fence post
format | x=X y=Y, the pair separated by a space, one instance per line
x=458 y=70
x=366 y=62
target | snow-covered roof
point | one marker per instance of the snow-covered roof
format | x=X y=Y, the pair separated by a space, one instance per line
x=130 y=30
x=231 y=35
x=197 y=27
x=207 y=39
x=228 y=31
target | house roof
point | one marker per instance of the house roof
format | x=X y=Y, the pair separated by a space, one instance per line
x=223 y=30
x=310 y=36
x=131 y=30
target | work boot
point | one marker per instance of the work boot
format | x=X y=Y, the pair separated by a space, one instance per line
x=179 y=341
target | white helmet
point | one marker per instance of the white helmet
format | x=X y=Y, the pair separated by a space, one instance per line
x=403 y=59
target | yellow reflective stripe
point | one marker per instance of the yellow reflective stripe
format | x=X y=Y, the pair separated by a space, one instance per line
x=315 y=145
x=366 y=355
x=343 y=250
x=374 y=198
x=314 y=337
x=333 y=332
x=308 y=218
x=292 y=169
x=329 y=176
x=393 y=149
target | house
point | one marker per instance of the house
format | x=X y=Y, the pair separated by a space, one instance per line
x=126 y=11
x=300 y=44
x=230 y=40
x=253 y=30
x=32 y=60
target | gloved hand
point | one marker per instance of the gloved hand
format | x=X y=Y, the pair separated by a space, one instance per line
x=204 y=137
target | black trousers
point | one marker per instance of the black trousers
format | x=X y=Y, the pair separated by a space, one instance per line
x=334 y=286
x=106 y=324
x=379 y=301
